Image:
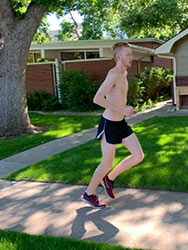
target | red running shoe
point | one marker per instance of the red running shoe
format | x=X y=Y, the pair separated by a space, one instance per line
x=108 y=187
x=93 y=201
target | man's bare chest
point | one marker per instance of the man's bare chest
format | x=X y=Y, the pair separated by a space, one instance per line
x=121 y=87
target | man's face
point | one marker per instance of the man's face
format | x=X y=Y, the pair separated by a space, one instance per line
x=125 y=56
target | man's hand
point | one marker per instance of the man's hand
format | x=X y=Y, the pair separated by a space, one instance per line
x=128 y=111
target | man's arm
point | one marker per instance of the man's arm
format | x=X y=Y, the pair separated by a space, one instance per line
x=104 y=89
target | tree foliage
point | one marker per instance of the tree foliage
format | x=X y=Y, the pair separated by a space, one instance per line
x=42 y=34
x=153 y=18
x=133 y=19
x=113 y=18
x=67 y=32
x=100 y=18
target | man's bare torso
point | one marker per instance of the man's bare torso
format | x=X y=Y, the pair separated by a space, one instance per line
x=117 y=96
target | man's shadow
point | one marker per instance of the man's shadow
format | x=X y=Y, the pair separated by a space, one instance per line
x=78 y=227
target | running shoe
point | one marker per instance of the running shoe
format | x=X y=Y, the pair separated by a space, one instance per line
x=108 y=186
x=93 y=201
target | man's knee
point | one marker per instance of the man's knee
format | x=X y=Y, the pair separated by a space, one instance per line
x=107 y=164
x=141 y=156
x=138 y=157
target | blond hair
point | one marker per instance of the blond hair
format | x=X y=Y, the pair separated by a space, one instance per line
x=117 y=47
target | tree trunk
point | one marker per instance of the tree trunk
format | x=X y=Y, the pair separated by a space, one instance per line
x=17 y=36
x=14 y=119
x=75 y=23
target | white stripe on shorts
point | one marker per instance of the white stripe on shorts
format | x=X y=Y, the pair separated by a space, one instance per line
x=102 y=132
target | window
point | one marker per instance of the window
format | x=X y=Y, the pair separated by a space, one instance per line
x=79 y=55
x=72 y=56
x=36 y=57
x=30 y=58
x=92 y=54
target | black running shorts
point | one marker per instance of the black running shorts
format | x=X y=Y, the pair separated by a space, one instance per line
x=114 y=131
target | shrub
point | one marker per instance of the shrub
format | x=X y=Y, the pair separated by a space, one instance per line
x=135 y=92
x=42 y=101
x=155 y=82
x=77 y=91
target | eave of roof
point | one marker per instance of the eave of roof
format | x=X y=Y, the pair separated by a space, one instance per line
x=94 y=44
x=166 y=47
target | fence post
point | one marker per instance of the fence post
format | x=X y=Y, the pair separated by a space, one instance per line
x=58 y=80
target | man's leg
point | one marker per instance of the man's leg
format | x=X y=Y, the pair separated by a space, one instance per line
x=137 y=155
x=108 y=154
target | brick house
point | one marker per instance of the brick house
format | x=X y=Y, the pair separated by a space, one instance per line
x=177 y=49
x=92 y=56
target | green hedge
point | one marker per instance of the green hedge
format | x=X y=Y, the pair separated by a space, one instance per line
x=135 y=93
x=42 y=101
x=155 y=82
x=151 y=85
x=77 y=91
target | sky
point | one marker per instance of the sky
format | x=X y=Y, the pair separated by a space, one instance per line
x=54 y=22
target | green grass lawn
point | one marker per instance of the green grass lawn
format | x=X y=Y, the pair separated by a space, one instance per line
x=10 y=240
x=165 y=167
x=57 y=126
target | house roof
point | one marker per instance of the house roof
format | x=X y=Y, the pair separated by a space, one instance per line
x=94 y=44
x=166 y=47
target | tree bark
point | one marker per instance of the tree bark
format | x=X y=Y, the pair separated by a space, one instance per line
x=17 y=36
x=75 y=23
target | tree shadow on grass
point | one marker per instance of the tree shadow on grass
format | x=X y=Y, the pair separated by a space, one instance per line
x=166 y=156
x=58 y=127
x=164 y=166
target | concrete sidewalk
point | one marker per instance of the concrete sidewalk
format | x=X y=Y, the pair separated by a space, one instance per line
x=44 y=151
x=136 y=218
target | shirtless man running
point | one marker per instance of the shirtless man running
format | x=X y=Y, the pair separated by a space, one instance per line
x=113 y=129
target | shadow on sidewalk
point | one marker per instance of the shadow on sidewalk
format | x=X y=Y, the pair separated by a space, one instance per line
x=141 y=218
x=84 y=216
